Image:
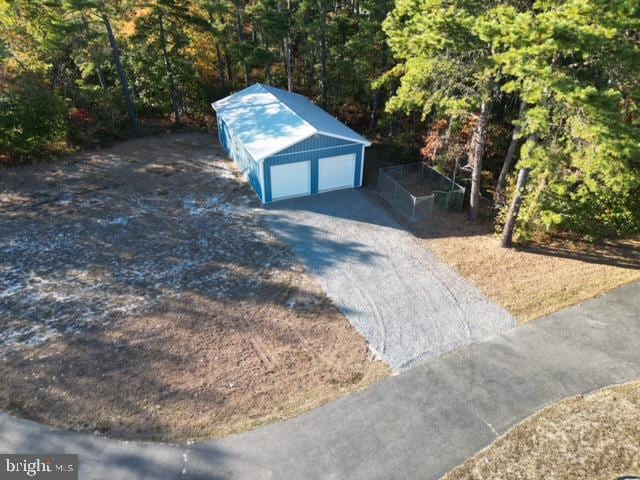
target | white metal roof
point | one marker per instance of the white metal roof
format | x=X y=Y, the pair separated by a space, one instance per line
x=268 y=120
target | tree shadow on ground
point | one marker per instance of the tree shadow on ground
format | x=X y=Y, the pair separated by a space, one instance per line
x=622 y=254
x=86 y=249
x=315 y=244
x=146 y=269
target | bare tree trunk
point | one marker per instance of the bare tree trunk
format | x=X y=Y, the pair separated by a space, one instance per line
x=103 y=85
x=219 y=58
x=324 y=54
x=286 y=47
x=476 y=153
x=175 y=103
x=94 y=60
x=377 y=95
x=227 y=59
x=221 y=74
x=288 y=51
x=508 y=160
x=309 y=71
x=323 y=71
x=128 y=98
x=268 y=68
x=512 y=217
x=375 y=105
x=240 y=32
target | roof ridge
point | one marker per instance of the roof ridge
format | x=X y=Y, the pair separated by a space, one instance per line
x=266 y=89
x=313 y=104
x=213 y=104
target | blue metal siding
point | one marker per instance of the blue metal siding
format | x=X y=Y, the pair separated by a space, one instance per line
x=223 y=135
x=313 y=143
x=313 y=149
x=236 y=150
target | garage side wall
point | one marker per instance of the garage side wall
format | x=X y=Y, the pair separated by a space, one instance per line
x=236 y=150
x=223 y=135
x=314 y=148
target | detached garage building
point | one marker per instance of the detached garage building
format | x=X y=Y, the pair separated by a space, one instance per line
x=286 y=145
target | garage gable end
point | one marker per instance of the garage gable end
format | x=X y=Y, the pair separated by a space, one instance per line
x=340 y=156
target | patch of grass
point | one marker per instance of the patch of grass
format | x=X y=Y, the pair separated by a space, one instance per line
x=596 y=436
x=536 y=280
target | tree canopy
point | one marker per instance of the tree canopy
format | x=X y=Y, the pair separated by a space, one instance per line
x=481 y=87
x=573 y=65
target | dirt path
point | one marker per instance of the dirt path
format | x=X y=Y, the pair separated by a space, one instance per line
x=141 y=297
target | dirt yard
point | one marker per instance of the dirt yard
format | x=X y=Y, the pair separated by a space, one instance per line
x=533 y=281
x=142 y=297
x=592 y=437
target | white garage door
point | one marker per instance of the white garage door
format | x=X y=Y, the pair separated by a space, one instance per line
x=336 y=172
x=290 y=180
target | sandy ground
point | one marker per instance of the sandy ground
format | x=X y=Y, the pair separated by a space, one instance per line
x=141 y=297
x=590 y=437
x=535 y=280
x=409 y=305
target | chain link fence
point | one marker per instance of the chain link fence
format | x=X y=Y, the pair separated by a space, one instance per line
x=413 y=189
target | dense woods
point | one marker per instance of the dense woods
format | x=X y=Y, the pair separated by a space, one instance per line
x=483 y=88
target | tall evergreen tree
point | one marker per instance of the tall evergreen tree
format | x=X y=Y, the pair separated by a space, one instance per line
x=574 y=64
x=104 y=10
x=445 y=69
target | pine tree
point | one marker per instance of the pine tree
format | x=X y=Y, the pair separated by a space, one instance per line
x=445 y=69
x=574 y=64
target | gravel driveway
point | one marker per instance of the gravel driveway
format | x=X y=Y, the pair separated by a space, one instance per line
x=409 y=305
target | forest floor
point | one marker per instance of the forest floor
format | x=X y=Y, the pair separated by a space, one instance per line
x=142 y=297
x=589 y=437
x=535 y=280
